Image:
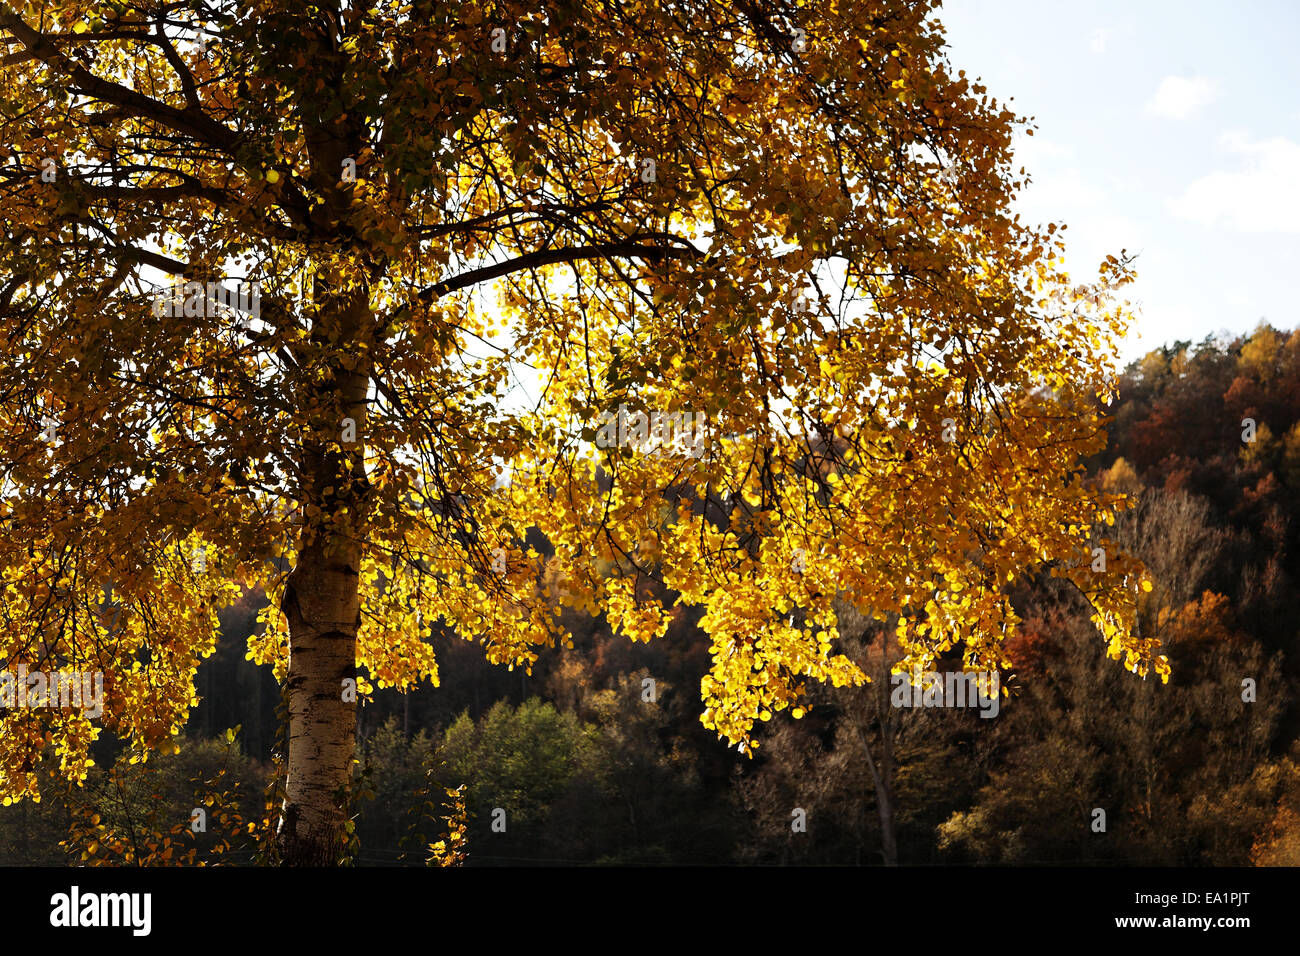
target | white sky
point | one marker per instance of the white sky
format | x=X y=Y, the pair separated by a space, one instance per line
x=1171 y=129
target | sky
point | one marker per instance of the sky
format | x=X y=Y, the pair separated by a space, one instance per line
x=1168 y=129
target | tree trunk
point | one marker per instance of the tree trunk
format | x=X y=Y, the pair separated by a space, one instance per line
x=888 y=727
x=322 y=599
x=882 y=774
x=885 y=794
x=882 y=777
x=322 y=605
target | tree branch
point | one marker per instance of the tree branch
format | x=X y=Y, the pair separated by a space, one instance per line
x=542 y=257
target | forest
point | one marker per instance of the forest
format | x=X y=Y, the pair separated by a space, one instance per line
x=599 y=756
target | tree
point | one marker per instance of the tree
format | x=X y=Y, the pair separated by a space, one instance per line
x=426 y=251
x=516 y=763
x=399 y=767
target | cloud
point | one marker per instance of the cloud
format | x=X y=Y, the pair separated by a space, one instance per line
x=1178 y=97
x=1258 y=197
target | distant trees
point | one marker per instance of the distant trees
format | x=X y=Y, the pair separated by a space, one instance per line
x=200 y=805
x=603 y=780
x=873 y=779
x=1171 y=765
